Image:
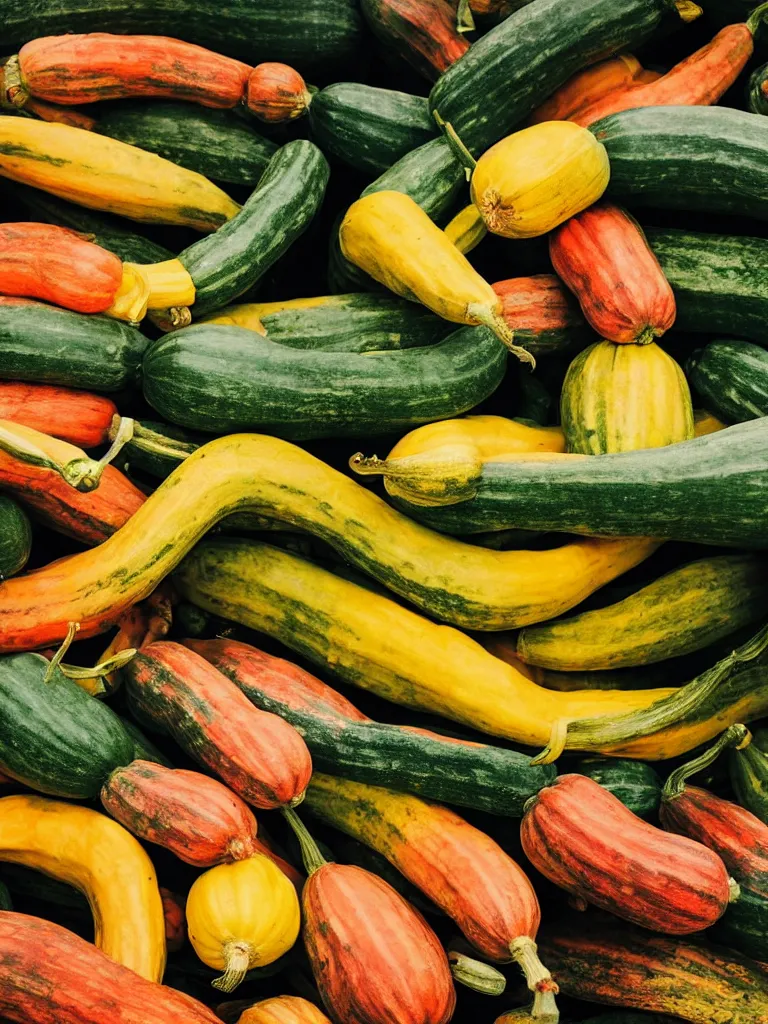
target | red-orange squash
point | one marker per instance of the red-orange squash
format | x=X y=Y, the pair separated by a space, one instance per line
x=603 y=257
x=423 y=32
x=582 y=838
x=257 y=754
x=78 y=417
x=195 y=817
x=43 y=261
x=606 y=78
x=283 y=1010
x=48 y=974
x=542 y=313
x=175 y=920
x=276 y=93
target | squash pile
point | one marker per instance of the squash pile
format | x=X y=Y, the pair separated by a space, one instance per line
x=384 y=512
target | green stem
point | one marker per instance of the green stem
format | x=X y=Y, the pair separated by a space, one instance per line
x=310 y=854
x=104 y=668
x=756 y=17
x=81 y=473
x=461 y=152
x=464 y=20
x=475 y=974
x=158 y=444
x=734 y=736
x=66 y=643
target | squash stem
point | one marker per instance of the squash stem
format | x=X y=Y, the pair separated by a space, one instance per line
x=310 y=854
x=481 y=314
x=237 y=957
x=172 y=318
x=734 y=736
x=14 y=93
x=688 y=10
x=66 y=643
x=756 y=17
x=81 y=473
x=367 y=465
x=158 y=444
x=538 y=978
x=475 y=974
x=464 y=20
x=460 y=151
x=104 y=668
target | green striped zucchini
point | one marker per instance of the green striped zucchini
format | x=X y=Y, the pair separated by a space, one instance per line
x=713 y=159
x=49 y=345
x=143 y=748
x=635 y=783
x=731 y=378
x=221 y=379
x=215 y=143
x=368 y=128
x=15 y=537
x=431 y=175
x=683 y=611
x=226 y=263
x=757 y=98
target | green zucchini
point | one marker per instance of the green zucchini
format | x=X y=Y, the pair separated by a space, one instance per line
x=744 y=925
x=54 y=737
x=713 y=159
x=49 y=345
x=731 y=377
x=431 y=175
x=6 y=903
x=368 y=128
x=226 y=263
x=215 y=143
x=748 y=765
x=15 y=537
x=683 y=611
x=635 y=783
x=221 y=379
x=143 y=748
x=309 y=34
x=714 y=488
x=717 y=279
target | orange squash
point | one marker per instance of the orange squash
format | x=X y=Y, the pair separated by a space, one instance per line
x=175 y=920
x=592 y=84
x=276 y=93
x=423 y=32
x=283 y=1010
x=542 y=313
x=78 y=417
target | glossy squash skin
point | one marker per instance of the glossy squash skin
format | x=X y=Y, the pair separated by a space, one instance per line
x=15 y=537
x=255 y=753
x=346 y=742
x=683 y=611
x=586 y=87
x=276 y=93
x=97 y=856
x=81 y=418
x=582 y=838
x=732 y=378
x=531 y=181
x=423 y=33
x=543 y=315
x=195 y=817
x=602 y=256
x=77 y=983
x=105 y=174
x=283 y=1010
x=242 y=915
x=635 y=783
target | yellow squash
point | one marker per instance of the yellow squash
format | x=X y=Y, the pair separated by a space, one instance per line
x=94 y=854
x=242 y=915
x=249 y=314
x=467 y=229
x=532 y=181
x=104 y=174
x=391 y=238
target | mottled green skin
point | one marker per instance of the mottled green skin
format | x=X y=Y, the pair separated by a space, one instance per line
x=431 y=175
x=718 y=281
x=518 y=64
x=216 y=143
x=304 y=33
x=731 y=379
x=15 y=537
x=714 y=488
x=49 y=345
x=749 y=778
x=225 y=379
x=143 y=748
x=757 y=100
x=635 y=783
x=744 y=926
x=54 y=737
x=713 y=159
x=228 y=262
x=368 y=128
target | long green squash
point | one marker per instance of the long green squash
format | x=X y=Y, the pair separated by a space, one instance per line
x=732 y=379
x=15 y=537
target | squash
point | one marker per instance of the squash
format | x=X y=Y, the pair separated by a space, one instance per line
x=15 y=535
x=102 y=860
x=757 y=90
x=374 y=958
x=242 y=915
x=175 y=921
x=732 y=378
x=749 y=774
x=257 y=754
x=466 y=230
x=531 y=181
x=635 y=783
x=582 y=838
x=423 y=32
x=78 y=417
x=276 y=93
x=388 y=236
x=461 y=869
x=606 y=78
x=193 y=816
x=283 y=1010
x=105 y=174
x=602 y=256
x=680 y=612
x=541 y=312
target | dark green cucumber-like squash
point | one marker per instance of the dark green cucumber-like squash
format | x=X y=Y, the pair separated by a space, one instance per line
x=54 y=737
x=216 y=143
x=15 y=537
x=222 y=379
x=635 y=783
x=731 y=378
x=49 y=345
x=431 y=175
x=713 y=159
x=226 y=263
x=369 y=128
x=713 y=488
x=143 y=748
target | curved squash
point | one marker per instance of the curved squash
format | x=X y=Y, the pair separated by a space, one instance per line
x=422 y=32
x=97 y=856
x=732 y=378
x=276 y=93
x=283 y=1010
x=602 y=256
x=606 y=78
x=542 y=313
x=749 y=775
x=531 y=181
x=466 y=230
x=242 y=915
x=78 y=417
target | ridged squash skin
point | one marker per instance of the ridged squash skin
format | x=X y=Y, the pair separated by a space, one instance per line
x=543 y=314
x=423 y=32
x=602 y=256
x=78 y=417
x=78 y=984
x=374 y=958
x=586 y=87
x=749 y=776
x=105 y=174
x=582 y=838
x=535 y=179
x=248 y=904
x=276 y=93
x=283 y=1010
x=683 y=611
x=15 y=536
x=97 y=856
x=259 y=756
x=195 y=817
x=732 y=379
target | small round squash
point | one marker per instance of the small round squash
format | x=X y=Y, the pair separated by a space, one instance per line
x=532 y=181
x=283 y=1010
